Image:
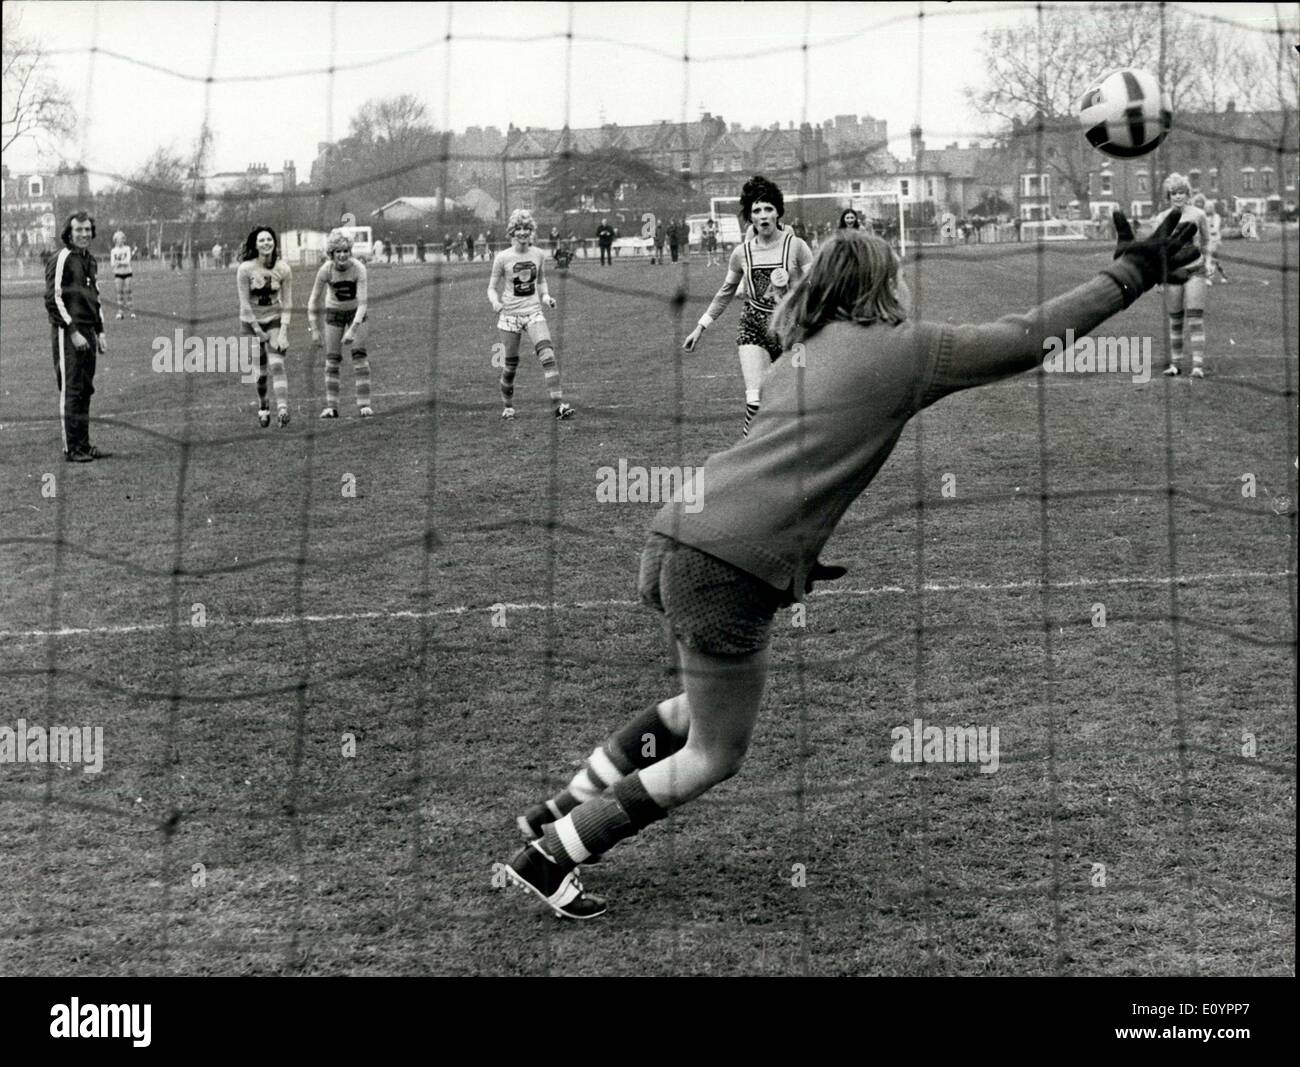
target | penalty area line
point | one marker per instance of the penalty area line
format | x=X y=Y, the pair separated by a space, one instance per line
x=596 y=605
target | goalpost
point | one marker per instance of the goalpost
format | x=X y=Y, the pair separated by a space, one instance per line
x=873 y=206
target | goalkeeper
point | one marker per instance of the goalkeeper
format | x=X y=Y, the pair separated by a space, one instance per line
x=719 y=573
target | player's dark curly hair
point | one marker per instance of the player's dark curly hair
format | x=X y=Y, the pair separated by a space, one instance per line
x=759 y=189
x=249 y=251
x=854 y=276
x=77 y=216
x=857 y=220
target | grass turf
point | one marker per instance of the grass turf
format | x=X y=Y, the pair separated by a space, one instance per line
x=232 y=832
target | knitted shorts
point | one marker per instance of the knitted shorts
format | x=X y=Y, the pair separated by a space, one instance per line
x=711 y=606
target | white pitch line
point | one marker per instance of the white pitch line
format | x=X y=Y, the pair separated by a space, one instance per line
x=590 y=605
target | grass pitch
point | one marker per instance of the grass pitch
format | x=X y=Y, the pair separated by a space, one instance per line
x=319 y=779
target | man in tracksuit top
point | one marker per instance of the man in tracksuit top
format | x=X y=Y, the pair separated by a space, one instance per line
x=76 y=333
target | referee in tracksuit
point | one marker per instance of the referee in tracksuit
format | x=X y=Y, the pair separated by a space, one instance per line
x=76 y=333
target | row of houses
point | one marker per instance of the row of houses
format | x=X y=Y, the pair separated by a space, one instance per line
x=1247 y=161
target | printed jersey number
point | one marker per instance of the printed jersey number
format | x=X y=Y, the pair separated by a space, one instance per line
x=345 y=290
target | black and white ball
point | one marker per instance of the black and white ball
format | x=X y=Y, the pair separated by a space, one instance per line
x=1124 y=113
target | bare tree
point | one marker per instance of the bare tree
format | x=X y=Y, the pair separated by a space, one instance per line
x=34 y=104
x=1035 y=73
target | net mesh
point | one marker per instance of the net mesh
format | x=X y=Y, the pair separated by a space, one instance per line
x=946 y=876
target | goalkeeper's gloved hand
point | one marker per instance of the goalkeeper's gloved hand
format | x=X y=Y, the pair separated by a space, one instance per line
x=1159 y=259
x=822 y=572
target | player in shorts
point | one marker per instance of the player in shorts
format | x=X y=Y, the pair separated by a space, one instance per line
x=120 y=258
x=720 y=572
x=265 y=286
x=769 y=263
x=711 y=240
x=517 y=292
x=341 y=280
x=1186 y=302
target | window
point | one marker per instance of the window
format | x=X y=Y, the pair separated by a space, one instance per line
x=1194 y=178
x=1143 y=182
x=929 y=188
x=537 y=168
x=1290 y=179
x=1035 y=185
x=686 y=164
x=1266 y=179
x=1214 y=179
x=35 y=187
x=1247 y=179
x=903 y=187
x=735 y=163
x=717 y=163
x=519 y=169
x=1194 y=150
x=855 y=187
x=1106 y=183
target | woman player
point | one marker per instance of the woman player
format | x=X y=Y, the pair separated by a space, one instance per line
x=721 y=574
x=341 y=280
x=769 y=262
x=1186 y=301
x=517 y=292
x=265 y=286
x=120 y=258
x=849 y=220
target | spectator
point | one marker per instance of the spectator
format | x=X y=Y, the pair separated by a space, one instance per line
x=482 y=246
x=657 y=242
x=489 y=245
x=674 y=238
x=555 y=239
x=76 y=333
x=446 y=247
x=460 y=243
x=419 y=249
x=605 y=239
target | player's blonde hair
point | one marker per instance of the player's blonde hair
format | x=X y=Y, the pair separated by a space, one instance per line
x=854 y=276
x=521 y=219
x=1176 y=182
x=119 y=236
x=338 y=242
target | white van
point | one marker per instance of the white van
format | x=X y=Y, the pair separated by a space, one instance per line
x=363 y=241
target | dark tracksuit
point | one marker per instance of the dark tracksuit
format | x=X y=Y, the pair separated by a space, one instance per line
x=605 y=238
x=72 y=301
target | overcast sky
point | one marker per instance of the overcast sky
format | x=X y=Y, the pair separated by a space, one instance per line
x=505 y=63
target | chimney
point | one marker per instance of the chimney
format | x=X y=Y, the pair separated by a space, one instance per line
x=918 y=145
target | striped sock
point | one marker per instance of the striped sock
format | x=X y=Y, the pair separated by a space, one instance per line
x=1175 y=337
x=1196 y=336
x=333 y=362
x=361 y=367
x=551 y=369
x=261 y=380
x=279 y=379
x=597 y=825
x=751 y=408
x=644 y=739
x=508 y=380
